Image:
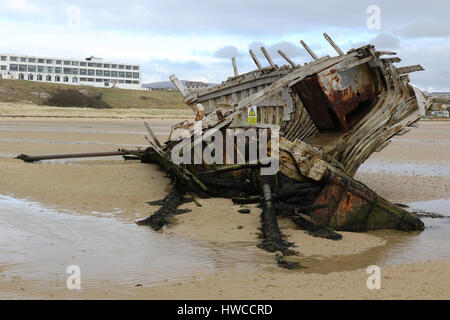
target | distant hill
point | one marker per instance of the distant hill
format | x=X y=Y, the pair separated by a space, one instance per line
x=167 y=84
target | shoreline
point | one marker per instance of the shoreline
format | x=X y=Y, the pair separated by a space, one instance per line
x=333 y=269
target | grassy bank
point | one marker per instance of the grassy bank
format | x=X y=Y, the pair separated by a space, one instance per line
x=37 y=93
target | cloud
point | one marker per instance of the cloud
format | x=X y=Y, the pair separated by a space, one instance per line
x=385 y=41
x=20 y=5
x=425 y=27
x=227 y=52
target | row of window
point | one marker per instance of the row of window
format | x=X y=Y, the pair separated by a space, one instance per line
x=71 y=63
x=57 y=78
x=74 y=71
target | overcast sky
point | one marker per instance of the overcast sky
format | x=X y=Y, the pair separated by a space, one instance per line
x=196 y=39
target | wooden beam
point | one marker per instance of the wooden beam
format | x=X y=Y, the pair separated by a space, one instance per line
x=150 y=131
x=255 y=59
x=409 y=69
x=233 y=62
x=333 y=44
x=292 y=63
x=315 y=57
x=178 y=85
x=269 y=59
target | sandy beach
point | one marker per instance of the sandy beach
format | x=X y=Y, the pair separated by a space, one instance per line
x=205 y=254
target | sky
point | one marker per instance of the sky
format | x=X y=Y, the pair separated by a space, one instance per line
x=195 y=40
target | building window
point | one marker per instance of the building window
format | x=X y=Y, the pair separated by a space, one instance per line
x=39 y=77
x=90 y=64
x=30 y=77
x=83 y=72
x=58 y=70
x=122 y=74
x=98 y=73
x=83 y=64
x=113 y=73
x=74 y=79
x=114 y=66
x=121 y=81
x=49 y=69
x=23 y=59
x=22 y=67
x=74 y=63
x=41 y=60
x=31 y=68
x=99 y=65
x=107 y=65
x=91 y=72
x=121 y=66
x=66 y=79
x=40 y=68
x=106 y=84
x=74 y=71
x=3 y=58
x=83 y=79
x=129 y=74
x=66 y=63
x=128 y=81
x=107 y=73
x=136 y=75
x=49 y=61
x=13 y=67
x=58 y=61
x=3 y=67
x=135 y=82
x=32 y=60
x=98 y=80
x=91 y=79
x=13 y=58
x=129 y=67
x=21 y=76
x=67 y=71
x=57 y=78
x=136 y=68
x=48 y=78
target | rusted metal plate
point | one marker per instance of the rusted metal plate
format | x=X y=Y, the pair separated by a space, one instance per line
x=339 y=96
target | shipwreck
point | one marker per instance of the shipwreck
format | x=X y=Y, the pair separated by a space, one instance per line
x=320 y=121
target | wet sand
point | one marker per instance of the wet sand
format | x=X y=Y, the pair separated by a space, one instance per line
x=204 y=254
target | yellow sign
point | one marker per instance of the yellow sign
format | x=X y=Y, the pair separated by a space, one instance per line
x=252 y=117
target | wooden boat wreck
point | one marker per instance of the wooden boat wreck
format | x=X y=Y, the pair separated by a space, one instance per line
x=331 y=115
x=324 y=119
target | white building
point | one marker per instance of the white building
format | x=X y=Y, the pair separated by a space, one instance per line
x=90 y=71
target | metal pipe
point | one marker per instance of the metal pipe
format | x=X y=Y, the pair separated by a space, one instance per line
x=28 y=158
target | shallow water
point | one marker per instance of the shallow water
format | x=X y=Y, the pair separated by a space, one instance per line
x=40 y=243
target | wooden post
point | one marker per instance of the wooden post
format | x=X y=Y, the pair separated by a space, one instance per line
x=292 y=63
x=233 y=61
x=179 y=85
x=255 y=59
x=315 y=57
x=269 y=59
x=152 y=134
x=333 y=44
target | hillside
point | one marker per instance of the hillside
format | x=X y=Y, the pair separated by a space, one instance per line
x=41 y=93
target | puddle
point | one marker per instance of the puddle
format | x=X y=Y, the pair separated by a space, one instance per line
x=405 y=168
x=41 y=243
